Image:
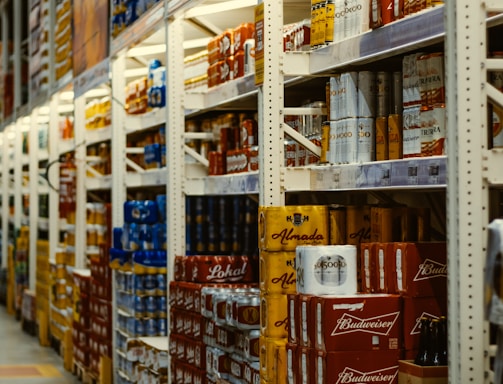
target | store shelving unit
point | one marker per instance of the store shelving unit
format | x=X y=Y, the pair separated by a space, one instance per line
x=467 y=173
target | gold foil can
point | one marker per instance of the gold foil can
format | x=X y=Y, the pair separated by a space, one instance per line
x=357 y=224
x=277 y=272
x=283 y=228
x=273 y=361
x=274 y=315
x=337 y=224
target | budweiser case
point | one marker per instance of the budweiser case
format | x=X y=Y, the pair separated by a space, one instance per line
x=421 y=269
x=413 y=309
x=357 y=367
x=357 y=322
x=283 y=228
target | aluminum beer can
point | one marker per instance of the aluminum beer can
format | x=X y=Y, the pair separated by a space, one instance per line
x=274 y=316
x=366 y=94
x=334 y=100
x=383 y=84
x=366 y=140
x=349 y=89
x=248 y=311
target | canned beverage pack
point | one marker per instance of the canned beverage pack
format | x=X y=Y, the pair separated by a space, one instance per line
x=283 y=228
x=274 y=316
x=277 y=271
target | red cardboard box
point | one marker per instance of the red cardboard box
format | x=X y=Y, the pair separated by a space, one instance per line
x=292 y=372
x=413 y=309
x=357 y=322
x=368 y=268
x=385 y=268
x=306 y=320
x=293 y=318
x=306 y=365
x=357 y=367
x=421 y=269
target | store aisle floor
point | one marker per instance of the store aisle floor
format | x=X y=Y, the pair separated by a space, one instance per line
x=24 y=361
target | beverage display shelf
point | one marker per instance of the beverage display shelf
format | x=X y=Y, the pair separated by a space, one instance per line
x=94 y=136
x=412 y=173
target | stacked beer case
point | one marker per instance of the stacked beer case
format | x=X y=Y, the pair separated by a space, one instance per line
x=100 y=312
x=63 y=33
x=281 y=230
x=42 y=289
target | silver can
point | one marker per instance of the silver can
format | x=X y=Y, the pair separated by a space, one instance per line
x=366 y=94
x=366 y=139
x=383 y=85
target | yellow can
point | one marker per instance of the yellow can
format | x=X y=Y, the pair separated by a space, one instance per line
x=277 y=272
x=274 y=315
x=283 y=228
x=273 y=360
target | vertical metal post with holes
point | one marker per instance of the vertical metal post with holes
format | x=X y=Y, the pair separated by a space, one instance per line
x=271 y=103
x=34 y=190
x=467 y=192
x=175 y=128
x=80 y=193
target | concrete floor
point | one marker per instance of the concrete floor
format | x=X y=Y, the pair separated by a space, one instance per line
x=19 y=348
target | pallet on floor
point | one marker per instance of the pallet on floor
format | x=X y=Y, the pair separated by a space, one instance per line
x=83 y=374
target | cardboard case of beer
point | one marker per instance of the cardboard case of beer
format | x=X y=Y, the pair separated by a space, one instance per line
x=413 y=309
x=357 y=367
x=410 y=373
x=283 y=228
x=358 y=322
x=421 y=269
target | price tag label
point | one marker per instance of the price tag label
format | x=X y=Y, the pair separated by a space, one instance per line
x=385 y=179
x=412 y=178
x=336 y=179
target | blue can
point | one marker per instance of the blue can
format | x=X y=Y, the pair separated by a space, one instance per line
x=149 y=283
x=162 y=283
x=139 y=284
x=162 y=325
x=146 y=237
x=162 y=306
x=139 y=327
x=150 y=306
x=151 y=327
x=139 y=305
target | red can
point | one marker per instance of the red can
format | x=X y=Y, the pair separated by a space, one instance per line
x=216 y=163
x=387 y=12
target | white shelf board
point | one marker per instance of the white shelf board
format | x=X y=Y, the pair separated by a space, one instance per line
x=233 y=184
x=94 y=136
x=65 y=146
x=149 y=178
x=99 y=183
x=137 y=123
x=227 y=92
x=411 y=32
x=414 y=173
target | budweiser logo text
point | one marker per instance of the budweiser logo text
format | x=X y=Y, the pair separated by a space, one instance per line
x=349 y=375
x=378 y=325
x=430 y=269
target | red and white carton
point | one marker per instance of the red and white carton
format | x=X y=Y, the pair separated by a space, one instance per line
x=413 y=309
x=376 y=367
x=306 y=320
x=293 y=318
x=306 y=365
x=357 y=322
x=220 y=269
x=421 y=269
x=368 y=268
x=385 y=273
x=292 y=366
